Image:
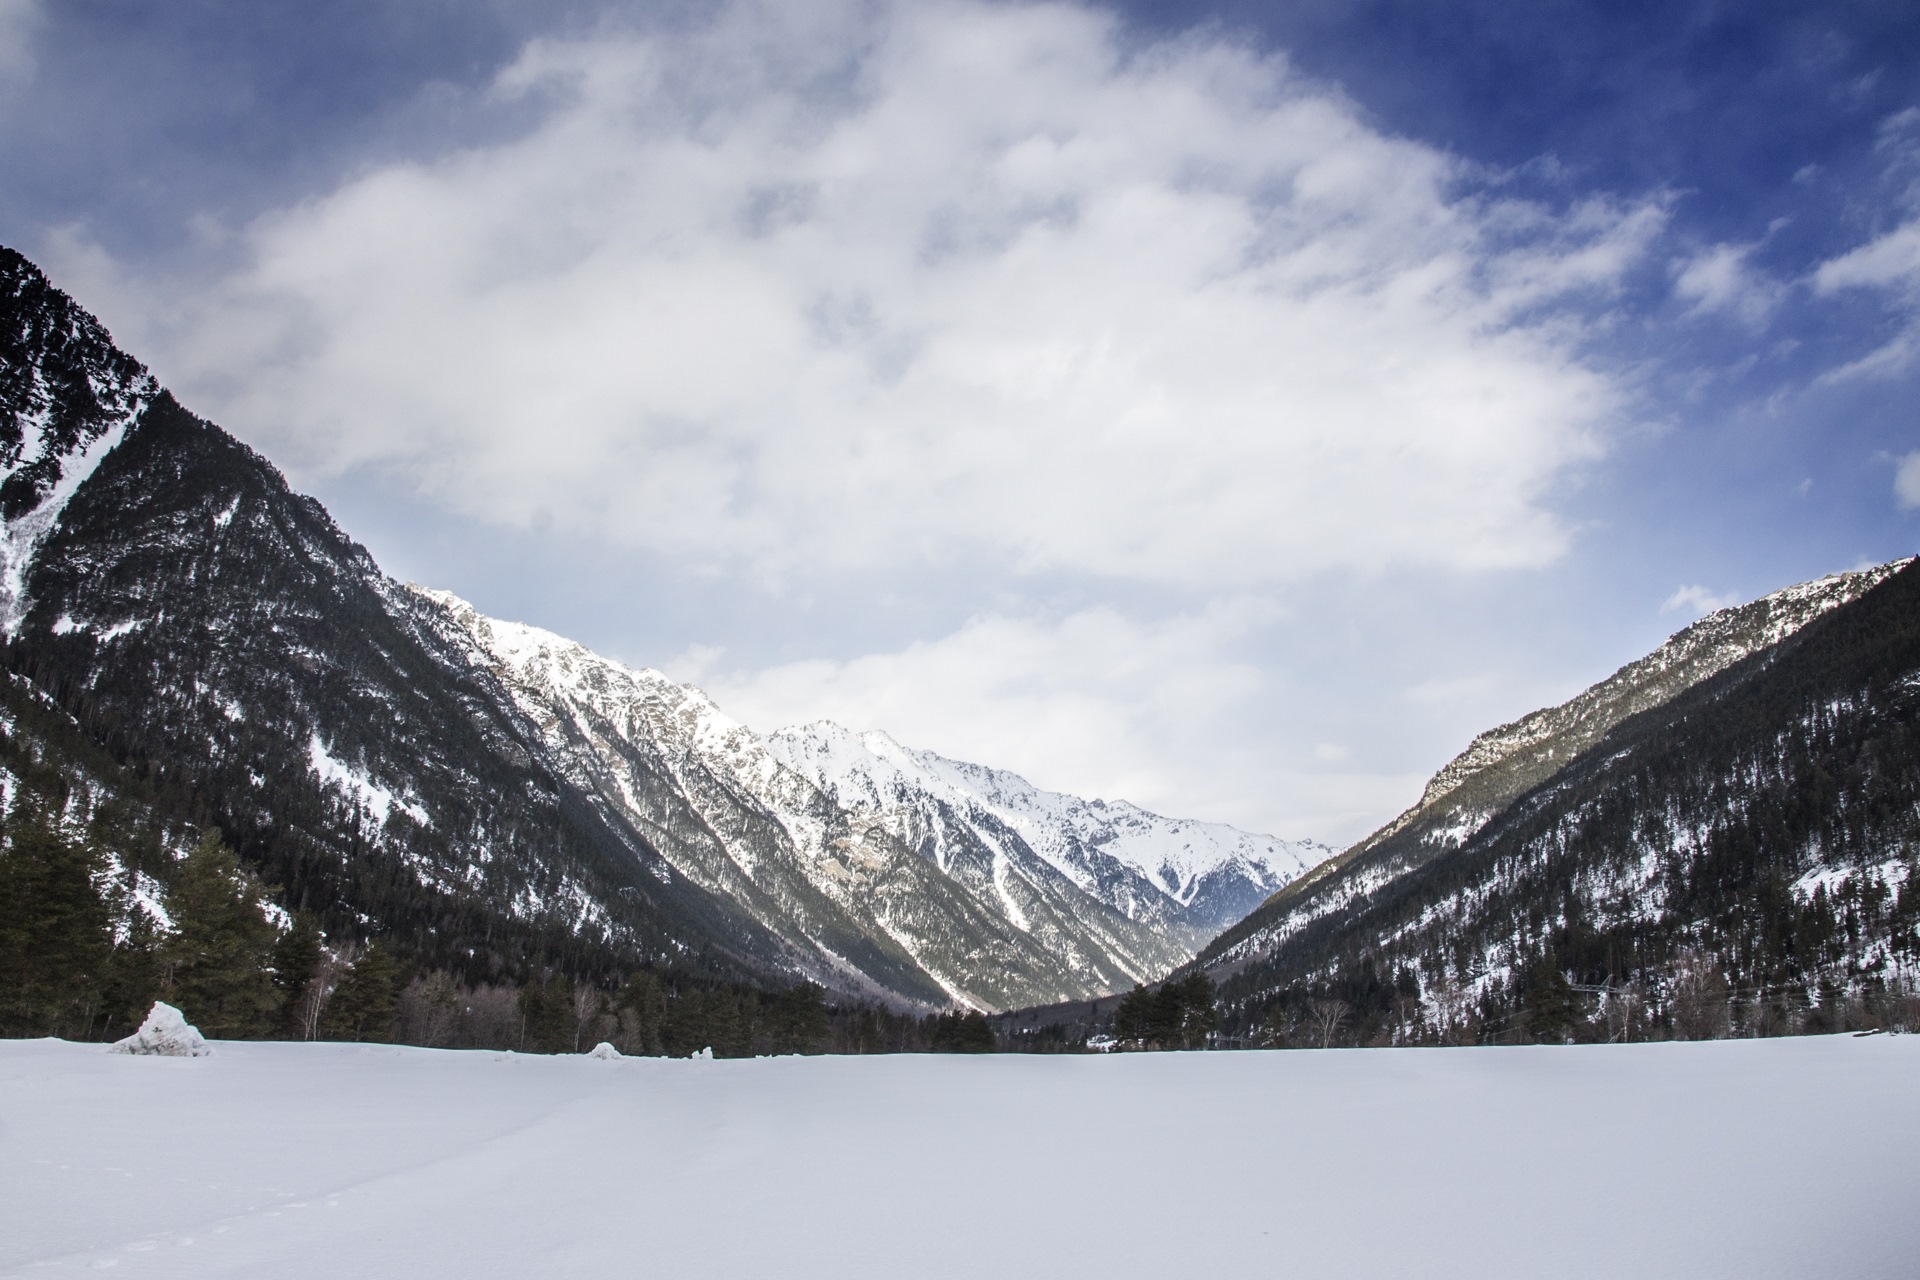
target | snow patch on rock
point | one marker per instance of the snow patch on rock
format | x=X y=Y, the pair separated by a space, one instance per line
x=379 y=801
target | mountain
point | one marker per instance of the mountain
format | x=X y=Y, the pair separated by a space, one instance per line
x=235 y=660
x=1191 y=879
x=1505 y=763
x=1723 y=834
x=190 y=644
x=905 y=874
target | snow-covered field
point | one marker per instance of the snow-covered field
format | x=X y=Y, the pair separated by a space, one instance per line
x=1749 y=1159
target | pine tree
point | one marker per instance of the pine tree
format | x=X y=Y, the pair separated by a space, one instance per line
x=1133 y=1020
x=135 y=975
x=1551 y=1007
x=962 y=1033
x=362 y=1007
x=296 y=963
x=1198 y=1017
x=799 y=1019
x=730 y=1029
x=56 y=940
x=639 y=1009
x=546 y=1015
x=217 y=961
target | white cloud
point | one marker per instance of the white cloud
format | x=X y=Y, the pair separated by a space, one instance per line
x=1169 y=714
x=1699 y=600
x=1889 y=263
x=1722 y=281
x=885 y=286
x=1906 y=481
x=1892 y=264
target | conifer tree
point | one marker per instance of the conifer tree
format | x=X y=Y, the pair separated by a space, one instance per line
x=639 y=1008
x=134 y=976
x=731 y=1031
x=799 y=1019
x=1551 y=1006
x=217 y=961
x=962 y=1033
x=56 y=939
x=683 y=1026
x=1133 y=1020
x=296 y=963
x=546 y=1015
x=1198 y=1017
x=362 y=1007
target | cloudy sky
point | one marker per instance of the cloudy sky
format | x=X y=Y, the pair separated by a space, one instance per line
x=1229 y=407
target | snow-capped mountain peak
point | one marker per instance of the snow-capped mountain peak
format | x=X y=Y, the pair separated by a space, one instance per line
x=883 y=864
x=1189 y=862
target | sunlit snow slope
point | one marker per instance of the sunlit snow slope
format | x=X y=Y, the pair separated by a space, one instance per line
x=1197 y=877
x=898 y=872
x=1748 y=1159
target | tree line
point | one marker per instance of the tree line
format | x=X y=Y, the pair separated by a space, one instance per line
x=87 y=944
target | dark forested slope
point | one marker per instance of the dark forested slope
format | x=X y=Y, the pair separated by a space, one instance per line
x=1740 y=857
x=220 y=655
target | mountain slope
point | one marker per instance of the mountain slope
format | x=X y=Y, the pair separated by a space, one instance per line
x=493 y=797
x=1504 y=763
x=248 y=666
x=932 y=897
x=1188 y=878
x=1744 y=850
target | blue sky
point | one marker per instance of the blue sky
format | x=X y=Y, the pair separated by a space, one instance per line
x=1229 y=407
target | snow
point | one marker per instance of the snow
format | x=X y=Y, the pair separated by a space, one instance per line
x=1891 y=874
x=871 y=772
x=376 y=799
x=21 y=538
x=603 y=1052
x=1753 y=1159
x=66 y=624
x=165 y=1034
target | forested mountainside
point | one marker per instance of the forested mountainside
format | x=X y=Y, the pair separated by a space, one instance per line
x=1505 y=763
x=1739 y=856
x=192 y=648
x=249 y=667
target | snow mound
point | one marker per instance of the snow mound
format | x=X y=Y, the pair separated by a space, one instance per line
x=705 y=1055
x=166 y=1033
x=604 y=1051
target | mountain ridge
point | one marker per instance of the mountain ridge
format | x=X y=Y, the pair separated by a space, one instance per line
x=937 y=886
x=1739 y=859
x=1505 y=762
